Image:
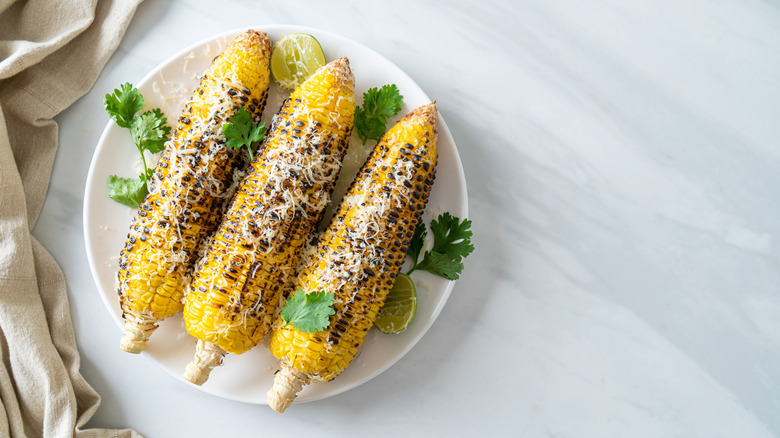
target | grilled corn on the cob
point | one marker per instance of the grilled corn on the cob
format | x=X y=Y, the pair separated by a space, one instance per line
x=359 y=255
x=190 y=186
x=252 y=258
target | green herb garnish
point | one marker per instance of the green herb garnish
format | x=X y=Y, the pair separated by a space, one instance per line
x=379 y=104
x=308 y=312
x=127 y=191
x=149 y=132
x=123 y=104
x=240 y=131
x=451 y=244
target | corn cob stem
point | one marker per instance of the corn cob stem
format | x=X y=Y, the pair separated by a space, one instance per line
x=207 y=357
x=288 y=382
x=138 y=327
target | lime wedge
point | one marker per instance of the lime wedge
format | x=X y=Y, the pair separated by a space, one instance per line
x=294 y=58
x=399 y=308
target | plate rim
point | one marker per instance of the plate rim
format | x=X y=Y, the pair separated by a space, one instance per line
x=101 y=144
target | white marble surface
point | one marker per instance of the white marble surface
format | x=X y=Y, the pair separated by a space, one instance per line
x=624 y=182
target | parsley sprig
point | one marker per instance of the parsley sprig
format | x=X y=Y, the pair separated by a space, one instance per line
x=451 y=244
x=241 y=131
x=379 y=104
x=308 y=312
x=149 y=131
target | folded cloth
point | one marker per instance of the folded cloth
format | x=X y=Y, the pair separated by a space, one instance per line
x=51 y=52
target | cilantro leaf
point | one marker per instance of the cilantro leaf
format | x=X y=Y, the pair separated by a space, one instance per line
x=384 y=102
x=367 y=127
x=241 y=131
x=451 y=236
x=379 y=104
x=123 y=104
x=441 y=265
x=127 y=191
x=146 y=175
x=149 y=131
x=451 y=244
x=308 y=312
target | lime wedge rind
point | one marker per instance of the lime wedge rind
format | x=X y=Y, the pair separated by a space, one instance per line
x=294 y=58
x=399 y=308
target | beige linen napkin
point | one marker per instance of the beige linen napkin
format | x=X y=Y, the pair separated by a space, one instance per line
x=51 y=52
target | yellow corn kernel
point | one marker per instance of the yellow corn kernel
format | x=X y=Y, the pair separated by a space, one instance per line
x=359 y=255
x=253 y=255
x=188 y=189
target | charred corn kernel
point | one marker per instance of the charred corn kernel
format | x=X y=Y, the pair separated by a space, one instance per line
x=359 y=255
x=191 y=184
x=251 y=260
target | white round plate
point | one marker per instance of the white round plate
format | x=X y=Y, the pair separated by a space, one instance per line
x=248 y=377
